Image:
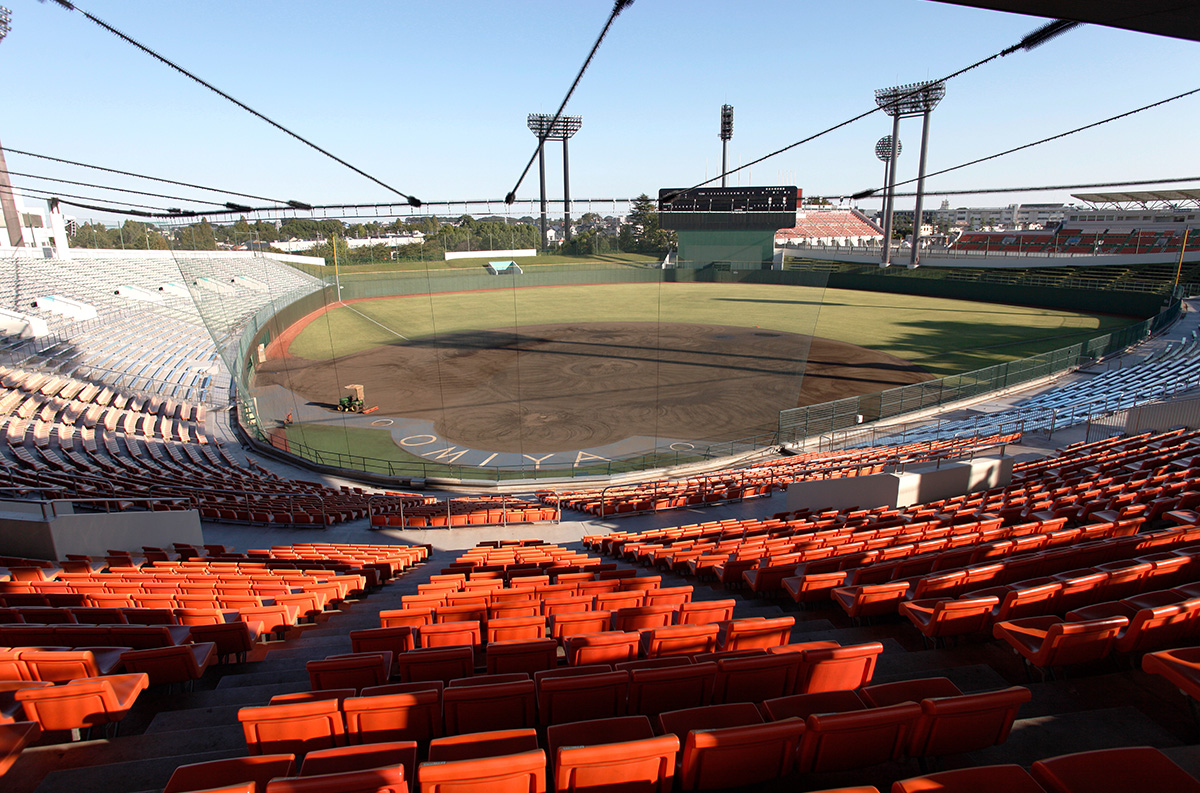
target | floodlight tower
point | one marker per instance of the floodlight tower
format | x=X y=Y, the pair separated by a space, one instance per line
x=12 y=219
x=546 y=128
x=725 y=134
x=883 y=150
x=915 y=99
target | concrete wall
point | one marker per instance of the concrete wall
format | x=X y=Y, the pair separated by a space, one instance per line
x=917 y=485
x=43 y=536
x=510 y=254
x=1163 y=416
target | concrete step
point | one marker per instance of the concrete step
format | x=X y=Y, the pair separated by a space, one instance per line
x=292 y=673
x=36 y=762
x=197 y=717
x=149 y=774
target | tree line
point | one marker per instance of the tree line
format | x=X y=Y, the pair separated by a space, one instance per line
x=593 y=234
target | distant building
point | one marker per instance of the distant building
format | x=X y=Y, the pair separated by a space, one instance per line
x=1008 y=218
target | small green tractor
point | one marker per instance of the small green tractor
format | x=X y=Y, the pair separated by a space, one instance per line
x=353 y=403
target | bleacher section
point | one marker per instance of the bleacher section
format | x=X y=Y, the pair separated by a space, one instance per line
x=1174 y=369
x=1074 y=241
x=70 y=439
x=173 y=356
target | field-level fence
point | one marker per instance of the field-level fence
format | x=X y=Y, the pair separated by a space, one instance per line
x=841 y=422
x=832 y=418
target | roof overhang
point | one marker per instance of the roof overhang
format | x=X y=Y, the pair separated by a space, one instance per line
x=1175 y=18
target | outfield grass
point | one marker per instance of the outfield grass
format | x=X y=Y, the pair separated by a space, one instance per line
x=944 y=336
x=352 y=272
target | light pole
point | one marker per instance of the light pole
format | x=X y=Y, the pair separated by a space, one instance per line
x=725 y=134
x=546 y=128
x=916 y=99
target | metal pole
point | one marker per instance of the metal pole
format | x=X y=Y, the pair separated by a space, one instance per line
x=724 y=153
x=886 y=259
x=8 y=203
x=542 y=176
x=914 y=256
x=566 y=194
x=887 y=169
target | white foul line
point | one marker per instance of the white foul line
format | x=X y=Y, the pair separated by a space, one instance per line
x=368 y=319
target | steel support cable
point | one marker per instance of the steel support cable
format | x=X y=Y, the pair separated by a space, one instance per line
x=1029 y=42
x=618 y=7
x=412 y=200
x=10 y=150
x=1053 y=187
x=1159 y=103
x=122 y=190
x=356 y=207
x=22 y=190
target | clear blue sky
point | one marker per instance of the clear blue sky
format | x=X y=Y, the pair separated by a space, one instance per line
x=431 y=97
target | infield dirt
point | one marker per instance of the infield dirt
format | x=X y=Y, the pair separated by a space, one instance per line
x=570 y=386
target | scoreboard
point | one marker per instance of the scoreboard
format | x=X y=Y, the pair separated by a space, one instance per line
x=720 y=208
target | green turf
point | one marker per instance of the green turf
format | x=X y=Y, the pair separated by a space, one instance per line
x=944 y=336
x=352 y=272
x=376 y=452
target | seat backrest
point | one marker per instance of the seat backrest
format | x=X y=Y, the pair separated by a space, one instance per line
x=703 y=612
x=965 y=615
x=258 y=769
x=735 y=756
x=60 y=665
x=499 y=706
x=657 y=690
x=411 y=616
x=582 y=697
x=397 y=639
x=753 y=678
x=577 y=622
x=501 y=629
x=856 y=739
x=1079 y=642
x=491 y=743
x=295 y=728
x=467 y=633
x=966 y=723
x=513 y=773
x=1029 y=601
x=609 y=647
x=1161 y=626
x=163 y=664
x=356 y=671
x=359 y=757
x=837 y=668
x=521 y=656
x=756 y=633
x=638 y=618
x=435 y=663
x=386 y=779
x=680 y=640
x=647 y=764
x=669 y=596
x=406 y=716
